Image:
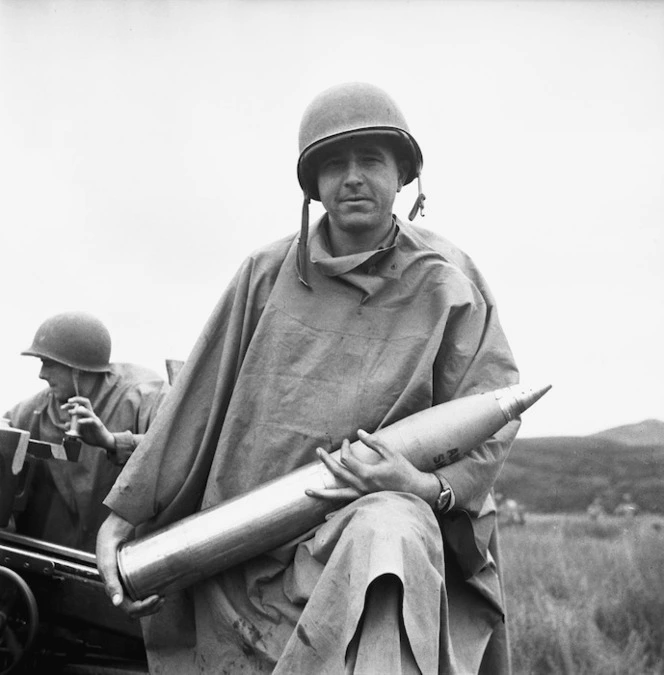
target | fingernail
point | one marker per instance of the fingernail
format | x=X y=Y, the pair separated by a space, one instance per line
x=116 y=599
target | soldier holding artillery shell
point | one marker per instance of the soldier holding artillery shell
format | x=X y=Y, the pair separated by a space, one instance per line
x=105 y=407
x=360 y=321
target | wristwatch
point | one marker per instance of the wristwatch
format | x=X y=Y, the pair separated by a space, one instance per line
x=442 y=503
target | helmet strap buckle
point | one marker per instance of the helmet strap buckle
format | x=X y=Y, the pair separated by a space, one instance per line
x=419 y=202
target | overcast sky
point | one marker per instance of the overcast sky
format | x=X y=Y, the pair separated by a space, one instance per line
x=146 y=147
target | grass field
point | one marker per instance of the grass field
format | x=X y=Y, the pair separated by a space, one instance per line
x=585 y=597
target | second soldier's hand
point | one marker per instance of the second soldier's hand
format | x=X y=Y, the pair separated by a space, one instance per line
x=391 y=472
x=90 y=427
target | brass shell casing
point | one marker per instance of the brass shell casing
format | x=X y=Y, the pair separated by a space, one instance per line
x=236 y=530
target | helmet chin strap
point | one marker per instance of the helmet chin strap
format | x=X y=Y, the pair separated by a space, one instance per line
x=72 y=433
x=74 y=376
x=302 y=267
x=419 y=202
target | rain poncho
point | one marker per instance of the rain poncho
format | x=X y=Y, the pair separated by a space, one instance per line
x=280 y=369
x=65 y=505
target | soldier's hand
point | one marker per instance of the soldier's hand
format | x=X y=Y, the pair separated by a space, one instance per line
x=391 y=471
x=114 y=532
x=91 y=429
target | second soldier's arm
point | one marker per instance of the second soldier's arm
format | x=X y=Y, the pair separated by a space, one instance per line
x=93 y=431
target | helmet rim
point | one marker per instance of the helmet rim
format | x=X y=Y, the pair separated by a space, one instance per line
x=308 y=177
x=44 y=354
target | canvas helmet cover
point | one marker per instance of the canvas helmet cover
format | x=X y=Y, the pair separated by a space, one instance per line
x=74 y=339
x=348 y=110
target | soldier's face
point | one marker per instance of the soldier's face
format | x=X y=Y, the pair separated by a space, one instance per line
x=59 y=378
x=357 y=182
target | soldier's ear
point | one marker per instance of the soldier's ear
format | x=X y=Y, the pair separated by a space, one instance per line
x=404 y=168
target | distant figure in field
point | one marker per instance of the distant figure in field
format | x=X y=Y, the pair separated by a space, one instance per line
x=626 y=508
x=596 y=509
x=510 y=512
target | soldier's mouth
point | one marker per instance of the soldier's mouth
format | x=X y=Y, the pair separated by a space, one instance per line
x=355 y=200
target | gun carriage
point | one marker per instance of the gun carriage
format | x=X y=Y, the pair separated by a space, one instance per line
x=55 y=616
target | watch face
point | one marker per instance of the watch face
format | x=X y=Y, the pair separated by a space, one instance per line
x=443 y=500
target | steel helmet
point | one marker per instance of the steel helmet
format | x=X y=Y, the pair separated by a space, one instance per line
x=347 y=110
x=75 y=339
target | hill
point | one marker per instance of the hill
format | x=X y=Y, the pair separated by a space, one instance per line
x=648 y=432
x=564 y=474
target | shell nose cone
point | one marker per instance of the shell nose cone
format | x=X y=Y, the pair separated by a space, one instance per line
x=526 y=396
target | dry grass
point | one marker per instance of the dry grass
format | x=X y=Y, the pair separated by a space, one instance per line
x=585 y=597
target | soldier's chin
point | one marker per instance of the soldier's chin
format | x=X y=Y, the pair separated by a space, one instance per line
x=360 y=220
x=58 y=395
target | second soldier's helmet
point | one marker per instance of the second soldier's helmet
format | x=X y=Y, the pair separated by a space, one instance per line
x=75 y=339
x=352 y=109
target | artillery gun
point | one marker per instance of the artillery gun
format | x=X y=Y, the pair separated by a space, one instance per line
x=55 y=616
